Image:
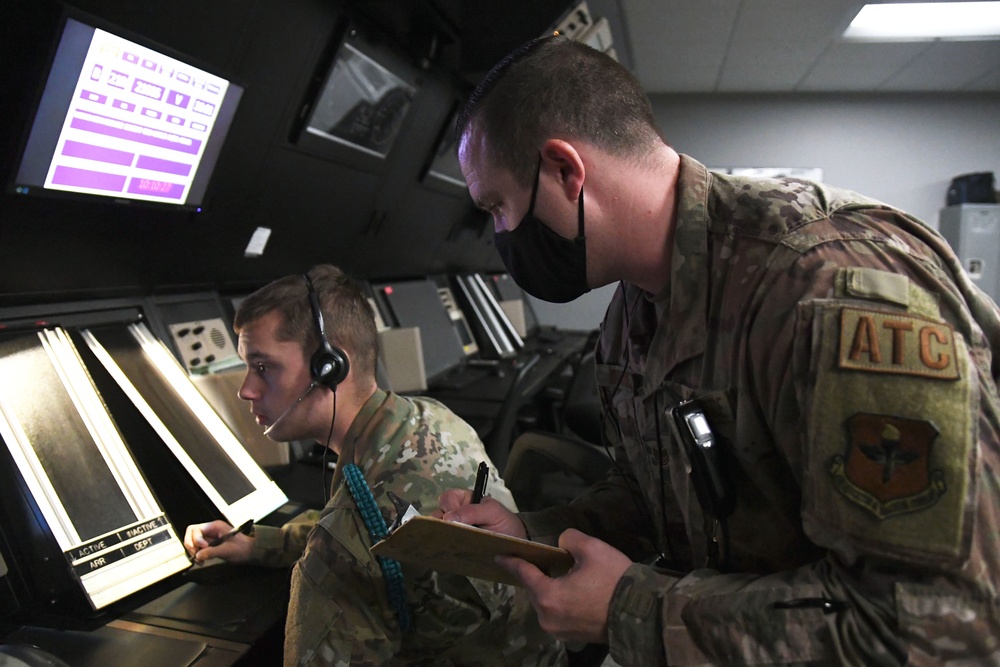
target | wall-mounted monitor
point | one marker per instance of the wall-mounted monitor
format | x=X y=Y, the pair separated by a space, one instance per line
x=356 y=114
x=124 y=119
x=442 y=171
x=417 y=303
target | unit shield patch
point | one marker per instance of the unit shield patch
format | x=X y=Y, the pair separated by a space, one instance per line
x=886 y=468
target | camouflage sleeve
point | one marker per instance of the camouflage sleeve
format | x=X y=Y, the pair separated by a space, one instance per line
x=887 y=413
x=610 y=510
x=712 y=618
x=280 y=547
x=337 y=612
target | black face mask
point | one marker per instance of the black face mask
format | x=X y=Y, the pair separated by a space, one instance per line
x=542 y=263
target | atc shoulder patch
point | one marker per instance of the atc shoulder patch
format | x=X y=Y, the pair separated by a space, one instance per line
x=890 y=433
x=881 y=342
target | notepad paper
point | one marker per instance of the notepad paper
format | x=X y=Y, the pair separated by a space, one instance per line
x=467 y=550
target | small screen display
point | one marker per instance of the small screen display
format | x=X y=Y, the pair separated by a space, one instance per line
x=363 y=103
x=122 y=120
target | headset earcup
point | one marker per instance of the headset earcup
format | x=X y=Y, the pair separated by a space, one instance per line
x=329 y=366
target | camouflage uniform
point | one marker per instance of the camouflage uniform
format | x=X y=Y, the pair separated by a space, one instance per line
x=845 y=363
x=339 y=612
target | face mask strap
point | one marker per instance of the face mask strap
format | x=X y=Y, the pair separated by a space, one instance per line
x=534 y=194
x=534 y=188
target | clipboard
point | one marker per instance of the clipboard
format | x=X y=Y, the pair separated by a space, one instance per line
x=469 y=551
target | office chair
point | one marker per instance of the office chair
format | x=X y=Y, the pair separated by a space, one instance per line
x=545 y=469
x=581 y=408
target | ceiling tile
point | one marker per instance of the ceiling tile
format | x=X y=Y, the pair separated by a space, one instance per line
x=776 y=42
x=855 y=66
x=682 y=42
x=685 y=46
x=947 y=66
x=987 y=82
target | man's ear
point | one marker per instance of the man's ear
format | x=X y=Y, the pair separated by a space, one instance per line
x=561 y=159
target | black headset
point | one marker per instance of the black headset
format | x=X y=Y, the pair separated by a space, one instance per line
x=329 y=364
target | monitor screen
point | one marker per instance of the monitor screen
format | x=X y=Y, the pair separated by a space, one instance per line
x=443 y=167
x=81 y=476
x=126 y=121
x=366 y=94
x=417 y=303
x=163 y=392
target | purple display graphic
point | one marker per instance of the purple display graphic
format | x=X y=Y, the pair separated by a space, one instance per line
x=112 y=127
x=178 y=99
x=151 y=113
x=91 y=96
x=97 y=153
x=118 y=79
x=165 y=166
x=148 y=90
x=176 y=120
x=146 y=186
x=203 y=107
x=123 y=105
x=85 y=178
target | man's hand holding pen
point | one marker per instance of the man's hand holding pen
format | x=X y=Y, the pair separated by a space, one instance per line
x=573 y=607
x=477 y=509
x=217 y=539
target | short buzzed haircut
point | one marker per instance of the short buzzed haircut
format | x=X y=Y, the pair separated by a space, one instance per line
x=347 y=315
x=554 y=87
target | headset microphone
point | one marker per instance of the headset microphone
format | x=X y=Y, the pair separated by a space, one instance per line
x=312 y=385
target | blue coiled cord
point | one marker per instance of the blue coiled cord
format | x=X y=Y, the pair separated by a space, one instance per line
x=392 y=572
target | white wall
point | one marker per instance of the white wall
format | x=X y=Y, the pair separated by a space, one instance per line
x=582 y=314
x=901 y=149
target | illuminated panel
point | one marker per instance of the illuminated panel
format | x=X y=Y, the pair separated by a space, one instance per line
x=125 y=120
x=162 y=391
x=114 y=536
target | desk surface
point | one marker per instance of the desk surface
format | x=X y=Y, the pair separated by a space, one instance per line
x=537 y=363
x=127 y=645
x=209 y=617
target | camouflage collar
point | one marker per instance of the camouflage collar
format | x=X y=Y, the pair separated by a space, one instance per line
x=686 y=294
x=348 y=451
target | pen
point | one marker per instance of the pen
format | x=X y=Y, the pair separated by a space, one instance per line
x=482 y=475
x=245 y=529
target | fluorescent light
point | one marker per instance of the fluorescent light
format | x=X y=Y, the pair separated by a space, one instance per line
x=926 y=20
